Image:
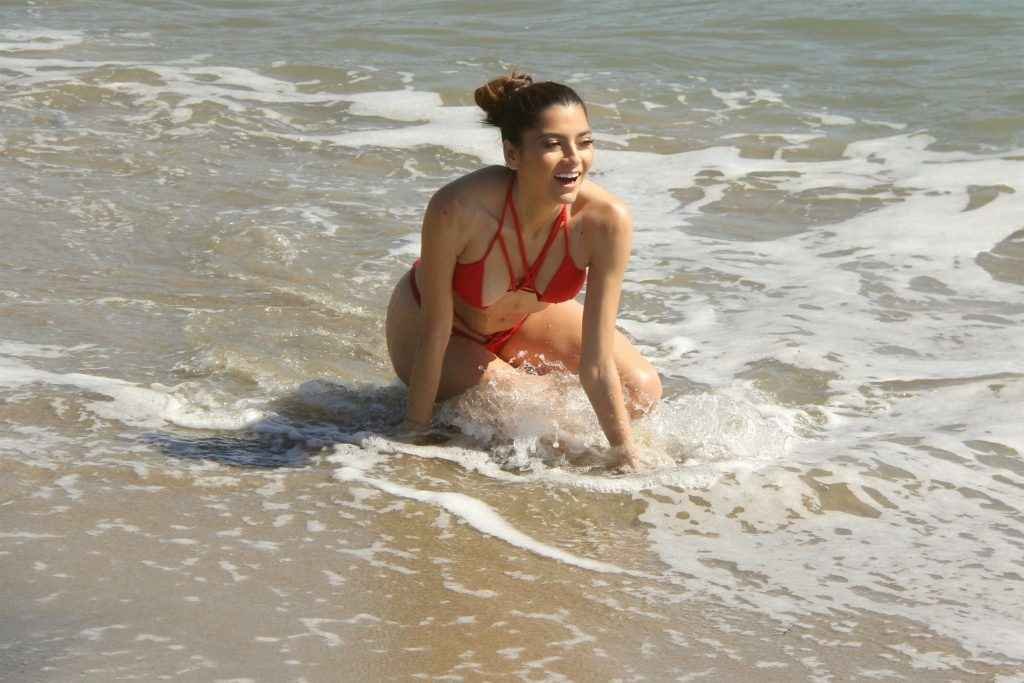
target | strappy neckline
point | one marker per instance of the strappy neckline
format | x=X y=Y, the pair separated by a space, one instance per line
x=468 y=278
x=527 y=282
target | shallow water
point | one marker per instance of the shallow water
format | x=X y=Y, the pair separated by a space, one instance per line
x=204 y=209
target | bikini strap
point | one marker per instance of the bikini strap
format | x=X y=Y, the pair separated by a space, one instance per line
x=501 y=240
x=501 y=224
x=565 y=232
x=519 y=236
x=530 y=272
x=535 y=268
x=497 y=234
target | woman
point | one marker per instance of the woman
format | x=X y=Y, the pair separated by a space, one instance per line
x=504 y=252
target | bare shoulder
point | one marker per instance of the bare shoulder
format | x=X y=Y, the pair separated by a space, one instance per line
x=460 y=205
x=603 y=215
x=476 y=192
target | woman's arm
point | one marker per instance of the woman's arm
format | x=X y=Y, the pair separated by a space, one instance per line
x=438 y=252
x=609 y=244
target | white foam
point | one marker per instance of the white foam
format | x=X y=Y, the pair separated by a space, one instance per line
x=455 y=128
x=99 y=632
x=232 y=570
x=398 y=105
x=687 y=440
x=36 y=40
x=21 y=349
x=456 y=587
x=742 y=99
x=28 y=535
x=835 y=119
x=474 y=512
x=886 y=124
x=129 y=403
x=68 y=483
x=330 y=638
x=876 y=546
x=334 y=579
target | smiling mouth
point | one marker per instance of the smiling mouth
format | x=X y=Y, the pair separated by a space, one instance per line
x=567 y=178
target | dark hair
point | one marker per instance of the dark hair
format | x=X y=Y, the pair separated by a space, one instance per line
x=514 y=102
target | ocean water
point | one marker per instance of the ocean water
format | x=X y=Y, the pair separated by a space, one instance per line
x=204 y=207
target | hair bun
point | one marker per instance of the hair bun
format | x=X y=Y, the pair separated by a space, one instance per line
x=493 y=96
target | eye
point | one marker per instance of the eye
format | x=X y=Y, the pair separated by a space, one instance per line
x=551 y=144
x=586 y=142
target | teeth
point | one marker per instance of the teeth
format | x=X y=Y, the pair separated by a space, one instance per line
x=567 y=176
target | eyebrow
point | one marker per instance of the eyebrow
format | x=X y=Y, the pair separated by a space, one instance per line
x=544 y=134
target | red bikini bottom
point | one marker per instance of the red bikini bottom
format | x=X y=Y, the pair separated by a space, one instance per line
x=492 y=342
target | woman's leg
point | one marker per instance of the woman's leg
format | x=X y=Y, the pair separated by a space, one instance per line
x=466 y=362
x=552 y=338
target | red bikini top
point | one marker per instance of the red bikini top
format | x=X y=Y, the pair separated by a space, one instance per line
x=565 y=284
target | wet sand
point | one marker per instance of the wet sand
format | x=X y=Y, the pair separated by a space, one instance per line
x=219 y=573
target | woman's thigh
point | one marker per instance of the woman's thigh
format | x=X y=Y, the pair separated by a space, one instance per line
x=466 y=363
x=552 y=339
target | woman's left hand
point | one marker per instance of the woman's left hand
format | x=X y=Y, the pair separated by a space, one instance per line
x=628 y=459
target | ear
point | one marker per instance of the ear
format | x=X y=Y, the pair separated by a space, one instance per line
x=511 y=155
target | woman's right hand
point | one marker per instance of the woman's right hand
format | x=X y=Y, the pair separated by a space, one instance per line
x=418 y=433
x=409 y=430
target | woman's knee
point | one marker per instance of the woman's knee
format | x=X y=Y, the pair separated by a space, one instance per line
x=643 y=389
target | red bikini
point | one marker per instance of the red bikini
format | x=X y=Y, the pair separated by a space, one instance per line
x=468 y=278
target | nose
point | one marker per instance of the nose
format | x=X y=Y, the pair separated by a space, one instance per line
x=571 y=151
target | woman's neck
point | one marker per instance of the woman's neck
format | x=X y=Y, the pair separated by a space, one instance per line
x=536 y=213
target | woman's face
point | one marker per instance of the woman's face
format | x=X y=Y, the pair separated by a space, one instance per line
x=553 y=158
